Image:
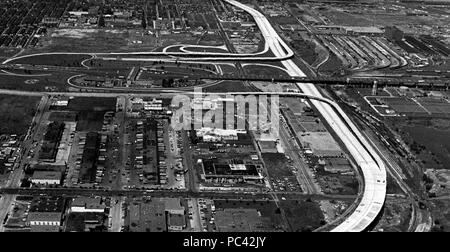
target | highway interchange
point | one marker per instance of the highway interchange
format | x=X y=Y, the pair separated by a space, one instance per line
x=363 y=153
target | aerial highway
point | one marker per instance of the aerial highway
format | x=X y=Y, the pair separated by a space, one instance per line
x=367 y=158
x=370 y=163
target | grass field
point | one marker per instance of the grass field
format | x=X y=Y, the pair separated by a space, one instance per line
x=332 y=66
x=435 y=141
x=6 y=53
x=303 y=216
x=265 y=71
x=65 y=60
x=56 y=81
x=16 y=113
x=228 y=86
x=211 y=40
x=305 y=49
x=206 y=50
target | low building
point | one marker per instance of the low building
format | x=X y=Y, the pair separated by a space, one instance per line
x=268 y=146
x=46 y=178
x=173 y=206
x=218 y=135
x=44 y=219
x=88 y=205
x=148 y=217
x=44 y=212
x=176 y=222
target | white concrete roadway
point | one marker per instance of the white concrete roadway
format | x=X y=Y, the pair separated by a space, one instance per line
x=372 y=166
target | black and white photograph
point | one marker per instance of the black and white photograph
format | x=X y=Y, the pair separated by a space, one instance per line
x=224 y=123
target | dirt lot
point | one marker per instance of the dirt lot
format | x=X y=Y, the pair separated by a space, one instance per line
x=396 y=216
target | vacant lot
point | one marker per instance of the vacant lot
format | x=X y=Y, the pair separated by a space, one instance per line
x=92 y=104
x=266 y=208
x=90 y=121
x=91 y=111
x=16 y=113
x=88 y=40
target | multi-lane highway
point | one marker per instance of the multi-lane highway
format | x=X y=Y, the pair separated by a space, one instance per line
x=371 y=165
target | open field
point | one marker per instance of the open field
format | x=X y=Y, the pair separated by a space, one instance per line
x=332 y=66
x=303 y=216
x=6 y=53
x=435 y=141
x=16 y=113
x=211 y=40
x=267 y=71
x=81 y=40
x=228 y=86
x=65 y=60
x=92 y=104
x=305 y=49
x=55 y=81
x=104 y=41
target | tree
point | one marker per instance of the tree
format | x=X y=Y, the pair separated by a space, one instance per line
x=144 y=21
x=101 y=21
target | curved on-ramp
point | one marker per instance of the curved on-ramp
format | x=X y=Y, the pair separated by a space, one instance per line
x=368 y=160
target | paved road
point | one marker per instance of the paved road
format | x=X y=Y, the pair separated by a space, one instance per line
x=306 y=178
x=5 y=205
x=69 y=192
x=116 y=214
